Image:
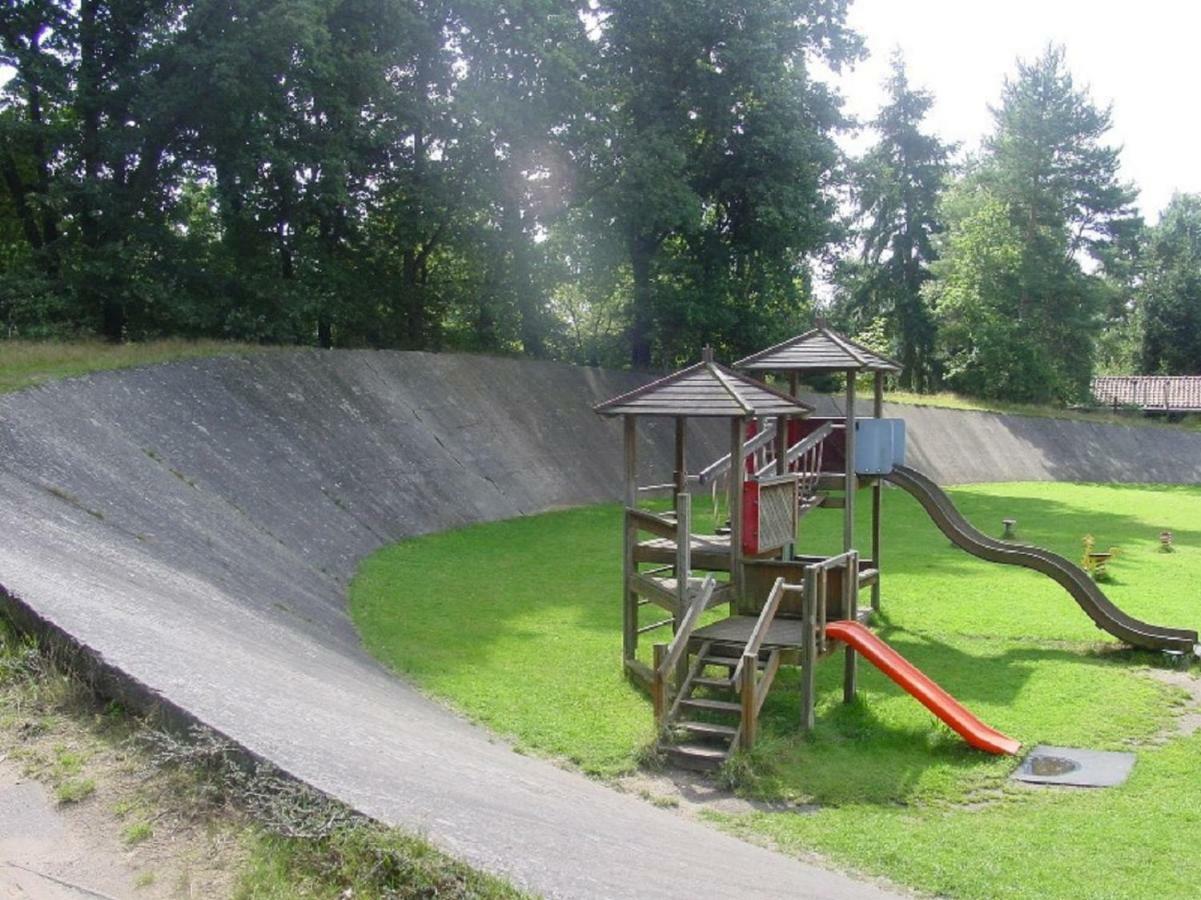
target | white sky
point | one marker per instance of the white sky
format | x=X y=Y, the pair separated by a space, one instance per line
x=1143 y=57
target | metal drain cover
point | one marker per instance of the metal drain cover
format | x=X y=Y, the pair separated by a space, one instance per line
x=1079 y=768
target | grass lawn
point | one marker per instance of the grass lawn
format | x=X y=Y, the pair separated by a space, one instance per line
x=27 y=363
x=518 y=624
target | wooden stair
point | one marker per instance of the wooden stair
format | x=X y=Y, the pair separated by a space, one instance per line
x=704 y=744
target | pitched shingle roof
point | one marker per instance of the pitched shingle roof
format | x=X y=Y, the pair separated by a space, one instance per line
x=1170 y=393
x=819 y=350
x=704 y=389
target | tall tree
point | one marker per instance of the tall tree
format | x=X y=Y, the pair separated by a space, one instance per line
x=714 y=142
x=896 y=187
x=1170 y=294
x=1047 y=165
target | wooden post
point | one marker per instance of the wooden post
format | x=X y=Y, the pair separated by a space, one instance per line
x=629 y=602
x=850 y=604
x=782 y=444
x=681 y=471
x=789 y=549
x=737 y=474
x=877 y=498
x=794 y=383
x=631 y=458
x=659 y=685
x=683 y=570
x=848 y=512
x=808 y=650
x=746 y=691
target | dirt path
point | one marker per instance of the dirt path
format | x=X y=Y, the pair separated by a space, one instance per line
x=51 y=851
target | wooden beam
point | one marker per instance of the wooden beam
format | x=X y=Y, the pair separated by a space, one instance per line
x=877 y=499
x=631 y=461
x=848 y=516
x=850 y=606
x=808 y=650
x=737 y=474
x=681 y=470
x=629 y=599
x=782 y=445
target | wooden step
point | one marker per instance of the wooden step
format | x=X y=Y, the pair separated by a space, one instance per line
x=711 y=705
x=702 y=757
x=707 y=729
x=713 y=682
x=730 y=662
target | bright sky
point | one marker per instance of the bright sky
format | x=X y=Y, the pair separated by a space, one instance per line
x=1143 y=57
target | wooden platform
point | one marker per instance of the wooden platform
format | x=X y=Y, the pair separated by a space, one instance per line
x=710 y=552
x=782 y=633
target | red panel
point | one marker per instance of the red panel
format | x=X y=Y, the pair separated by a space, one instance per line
x=834 y=453
x=750 y=518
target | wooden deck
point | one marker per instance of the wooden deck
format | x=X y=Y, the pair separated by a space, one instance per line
x=782 y=633
x=710 y=552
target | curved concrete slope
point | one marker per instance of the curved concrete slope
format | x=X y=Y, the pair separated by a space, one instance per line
x=194 y=526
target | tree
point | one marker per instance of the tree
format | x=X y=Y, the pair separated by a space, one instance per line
x=1170 y=294
x=1047 y=167
x=713 y=141
x=896 y=187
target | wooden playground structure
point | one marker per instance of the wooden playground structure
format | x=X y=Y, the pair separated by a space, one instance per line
x=785 y=607
x=782 y=602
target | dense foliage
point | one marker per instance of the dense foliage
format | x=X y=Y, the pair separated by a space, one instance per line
x=592 y=180
x=605 y=181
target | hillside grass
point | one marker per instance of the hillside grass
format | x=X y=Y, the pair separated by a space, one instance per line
x=518 y=624
x=25 y=364
x=1100 y=415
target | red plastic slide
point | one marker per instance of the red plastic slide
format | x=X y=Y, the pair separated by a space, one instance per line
x=929 y=694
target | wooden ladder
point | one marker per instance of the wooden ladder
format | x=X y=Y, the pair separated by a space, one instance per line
x=705 y=723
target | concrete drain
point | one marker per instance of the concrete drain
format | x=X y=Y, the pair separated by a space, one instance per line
x=1078 y=768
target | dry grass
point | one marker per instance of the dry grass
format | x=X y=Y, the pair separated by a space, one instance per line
x=950 y=400
x=24 y=364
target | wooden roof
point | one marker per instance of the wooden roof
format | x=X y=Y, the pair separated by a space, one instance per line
x=819 y=350
x=705 y=389
x=1167 y=393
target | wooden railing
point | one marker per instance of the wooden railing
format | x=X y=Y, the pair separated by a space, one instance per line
x=814 y=608
x=752 y=685
x=721 y=465
x=668 y=657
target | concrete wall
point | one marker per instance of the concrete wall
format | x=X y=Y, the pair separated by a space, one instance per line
x=194 y=526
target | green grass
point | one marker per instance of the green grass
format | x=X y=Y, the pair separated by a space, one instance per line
x=27 y=363
x=360 y=862
x=517 y=624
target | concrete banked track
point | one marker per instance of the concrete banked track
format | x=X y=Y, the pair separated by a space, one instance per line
x=193 y=527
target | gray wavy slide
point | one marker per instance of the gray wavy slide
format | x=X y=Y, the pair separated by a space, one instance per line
x=1069 y=576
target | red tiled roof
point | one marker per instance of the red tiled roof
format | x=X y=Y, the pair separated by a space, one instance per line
x=1171 y=393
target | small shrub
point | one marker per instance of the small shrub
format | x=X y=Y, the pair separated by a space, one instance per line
x=74 y=790
x=136 y=832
